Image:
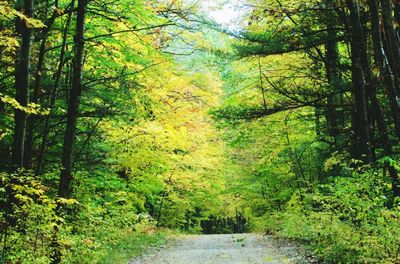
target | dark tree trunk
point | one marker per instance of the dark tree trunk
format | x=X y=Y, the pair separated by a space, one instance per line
x=392 y=43
x=382 y=61
x=362 y=142
x=22 y=67
x=389 y=85
x=73 y=103
x=373 y=107
x=334 y=117
x=53 y=92
x=37 y=86
x=396 y=4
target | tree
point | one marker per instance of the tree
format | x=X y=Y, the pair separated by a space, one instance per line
x=22 y=68
x=64 y=189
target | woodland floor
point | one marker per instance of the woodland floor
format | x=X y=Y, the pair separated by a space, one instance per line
x=225 y=249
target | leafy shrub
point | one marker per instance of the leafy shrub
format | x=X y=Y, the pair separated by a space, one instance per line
x=345 y=221
x=34 y=228
x=27 y=226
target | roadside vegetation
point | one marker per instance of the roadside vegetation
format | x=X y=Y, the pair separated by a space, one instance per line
x=121 y=120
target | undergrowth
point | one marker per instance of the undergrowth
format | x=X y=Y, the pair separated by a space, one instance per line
x=344 y=221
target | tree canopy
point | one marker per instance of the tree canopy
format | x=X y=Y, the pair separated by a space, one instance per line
x=120 y=120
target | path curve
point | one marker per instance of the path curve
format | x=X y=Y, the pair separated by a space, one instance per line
x=225 y=249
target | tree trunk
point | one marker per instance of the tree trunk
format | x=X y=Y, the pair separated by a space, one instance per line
x=334 y=117
x=382 y=61
x=392 y=43
x=374 y=109
x=37 y=86
x=396 y=4
x=22 y=67
x=362 y=142
x=389 y=86
x=53 y=93
x=73 y=103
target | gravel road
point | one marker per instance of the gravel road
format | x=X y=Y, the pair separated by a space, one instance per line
x=225 y=249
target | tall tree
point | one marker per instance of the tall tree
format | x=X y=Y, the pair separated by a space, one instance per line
x=391 y=41
x=362 y=140
x=335 y=118
x=22 y=68
x=385 y=72
x=73 y=102
x=38 y=79
x=53 y=91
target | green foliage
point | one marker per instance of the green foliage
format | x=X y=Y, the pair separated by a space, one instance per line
x=104 y=229
x=345 y=221
x=132 y=246
x=290 y=121
x=147 y=154
x=32 y=216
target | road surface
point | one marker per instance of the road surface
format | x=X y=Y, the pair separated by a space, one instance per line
x=225 y=249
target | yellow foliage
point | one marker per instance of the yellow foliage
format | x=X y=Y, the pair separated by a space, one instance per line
x=31 y=108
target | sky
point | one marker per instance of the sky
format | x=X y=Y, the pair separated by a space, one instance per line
x=226 y=13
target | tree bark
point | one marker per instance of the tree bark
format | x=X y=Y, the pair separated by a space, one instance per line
x=53 y=92
x=382 y=61
x=37 y=86
x=389 y=86
x=22 y=68
x=361 y=142
x=392 y=43
x=374 y=109
x=334 y=117
x=73 y=103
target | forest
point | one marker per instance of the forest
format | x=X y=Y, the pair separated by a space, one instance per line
x=123 y=122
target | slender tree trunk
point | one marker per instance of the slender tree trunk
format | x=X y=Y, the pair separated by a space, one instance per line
x=164 y=195
x=334 y=117
x=362 y=140
x=396 y=4
x=4 y=148
x=22 y=68
x=389 y=85
x=392 y=43
x=296 y=160
x=262 y=84
x=53 y=93
x=73 y=103
x=382 y=61
x=373 y=107
x=317 y=112
x=37 y=86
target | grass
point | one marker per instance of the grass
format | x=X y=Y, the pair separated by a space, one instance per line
x=132 y=246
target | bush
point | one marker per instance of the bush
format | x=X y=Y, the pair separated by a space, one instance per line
x=34 y=229
x=345 y=221
x=27 y=225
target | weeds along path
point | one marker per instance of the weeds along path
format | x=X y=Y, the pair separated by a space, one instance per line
x=225 y=249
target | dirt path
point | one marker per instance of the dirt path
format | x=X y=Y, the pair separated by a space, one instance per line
x=224 y=249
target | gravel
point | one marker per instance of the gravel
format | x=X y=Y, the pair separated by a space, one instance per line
x=225 y=249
